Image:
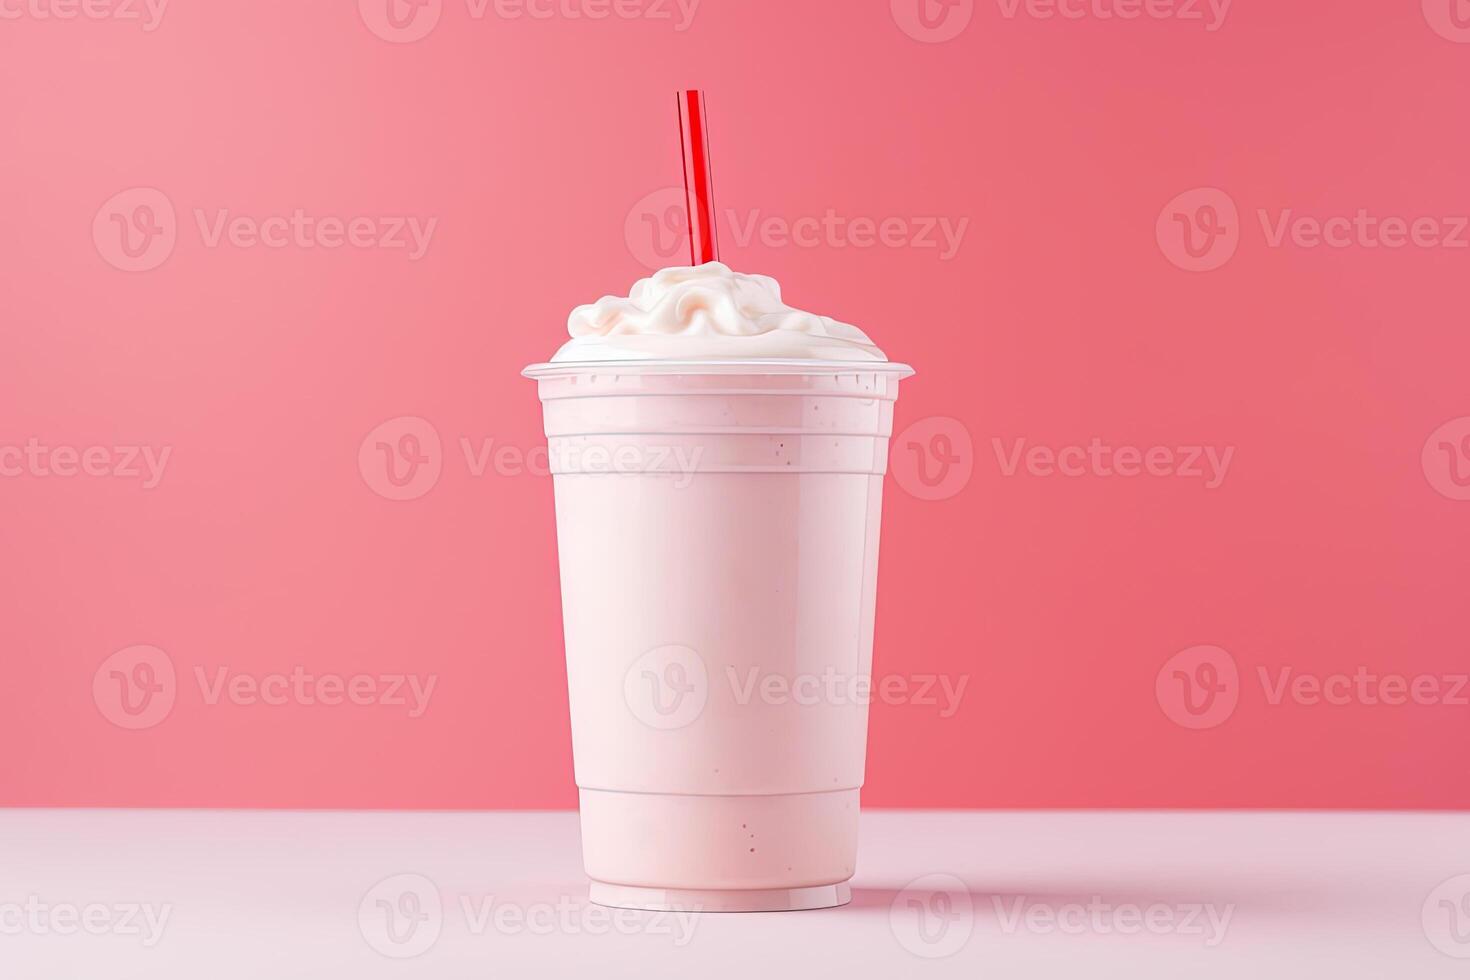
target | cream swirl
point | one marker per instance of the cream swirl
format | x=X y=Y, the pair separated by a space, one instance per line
x=708 y=312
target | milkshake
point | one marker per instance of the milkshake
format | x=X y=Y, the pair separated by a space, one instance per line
x=718 y=462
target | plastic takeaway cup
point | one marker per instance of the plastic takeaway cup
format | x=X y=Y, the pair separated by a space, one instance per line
x=717 y=529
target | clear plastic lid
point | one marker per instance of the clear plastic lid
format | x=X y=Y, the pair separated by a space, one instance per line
x=556 y=369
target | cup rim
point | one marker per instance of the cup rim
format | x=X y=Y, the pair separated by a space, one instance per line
x=773 y=366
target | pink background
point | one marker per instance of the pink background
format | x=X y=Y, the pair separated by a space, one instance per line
x=1338 y=538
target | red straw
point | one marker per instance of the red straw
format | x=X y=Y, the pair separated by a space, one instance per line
x=698 y=182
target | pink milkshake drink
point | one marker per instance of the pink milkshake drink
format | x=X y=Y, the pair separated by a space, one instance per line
x=718 y=462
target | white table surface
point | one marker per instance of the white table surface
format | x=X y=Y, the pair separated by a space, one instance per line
x=1121 y=894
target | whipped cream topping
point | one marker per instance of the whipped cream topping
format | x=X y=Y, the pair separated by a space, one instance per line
x=708 y=312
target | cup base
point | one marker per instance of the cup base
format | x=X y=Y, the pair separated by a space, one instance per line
x=719 y=845
x=719 y=899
